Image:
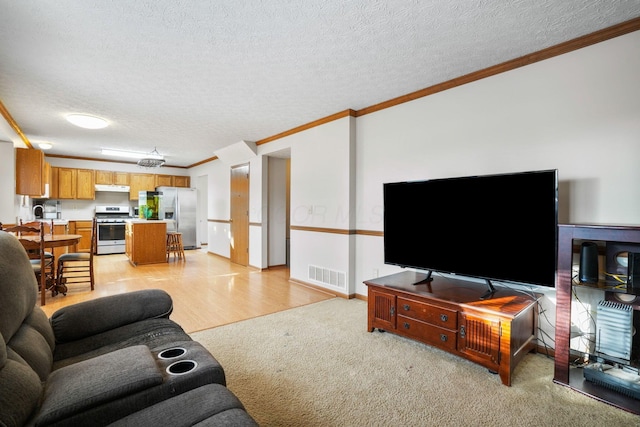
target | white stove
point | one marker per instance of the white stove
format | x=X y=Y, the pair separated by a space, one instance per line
x=110 y=221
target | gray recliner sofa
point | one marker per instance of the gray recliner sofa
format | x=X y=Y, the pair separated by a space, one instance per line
x=114 y=360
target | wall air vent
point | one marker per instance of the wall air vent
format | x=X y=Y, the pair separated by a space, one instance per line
x=327 y=276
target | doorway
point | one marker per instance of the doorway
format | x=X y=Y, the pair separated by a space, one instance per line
x=239 y=227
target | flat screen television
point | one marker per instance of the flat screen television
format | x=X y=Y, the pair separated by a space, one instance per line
x=495 y=227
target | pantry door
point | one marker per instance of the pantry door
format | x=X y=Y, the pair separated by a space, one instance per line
x=240 y=215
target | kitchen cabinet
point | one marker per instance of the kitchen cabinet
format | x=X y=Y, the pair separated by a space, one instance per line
x=145 y=242
x=85 y=184
x=111 y=178
x=53 y=183
x=75 y=184
x=30 y=172
x=164 y=180
x=67 y=179
x=181 y=181
x=141 y=182
x=84 y=229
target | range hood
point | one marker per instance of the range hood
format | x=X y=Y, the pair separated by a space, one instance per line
x=113 y=188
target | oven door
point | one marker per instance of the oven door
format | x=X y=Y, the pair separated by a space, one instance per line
x=110 y=237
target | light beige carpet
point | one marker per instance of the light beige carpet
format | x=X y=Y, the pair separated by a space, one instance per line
x=318 y=366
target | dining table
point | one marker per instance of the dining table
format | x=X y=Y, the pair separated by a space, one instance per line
x=55 y=240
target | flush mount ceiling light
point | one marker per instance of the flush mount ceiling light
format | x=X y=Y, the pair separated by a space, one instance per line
x=45 y=145
x=127 y=154
x=87 y=122
x=152 y=160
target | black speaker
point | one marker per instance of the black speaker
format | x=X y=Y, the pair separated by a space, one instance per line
x=588 y=271
x=633 y=275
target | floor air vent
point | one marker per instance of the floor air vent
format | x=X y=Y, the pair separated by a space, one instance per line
x=327 y=276
x=614 y=324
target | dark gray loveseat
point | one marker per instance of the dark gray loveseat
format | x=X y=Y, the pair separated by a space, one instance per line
x=118 y=359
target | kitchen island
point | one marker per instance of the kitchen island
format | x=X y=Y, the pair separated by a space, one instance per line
x=145 y=241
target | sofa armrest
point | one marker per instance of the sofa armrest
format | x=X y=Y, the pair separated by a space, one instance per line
x=88 y=318
x=84 y=385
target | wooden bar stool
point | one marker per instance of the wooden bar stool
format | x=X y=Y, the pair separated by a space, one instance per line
x=174 y=245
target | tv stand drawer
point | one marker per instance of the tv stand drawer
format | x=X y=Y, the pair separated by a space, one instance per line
x=428 y=313
x=429 y=334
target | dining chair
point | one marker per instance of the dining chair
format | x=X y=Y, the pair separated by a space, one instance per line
x=35 y=249
x=77 y=267
x=50 y=259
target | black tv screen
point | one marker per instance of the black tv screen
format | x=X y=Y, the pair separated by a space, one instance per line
x=501 y=227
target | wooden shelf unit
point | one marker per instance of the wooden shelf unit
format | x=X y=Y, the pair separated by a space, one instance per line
x=568 y=235
x=449 y=314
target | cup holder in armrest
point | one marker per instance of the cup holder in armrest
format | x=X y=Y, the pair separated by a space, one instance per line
x=182 y=367
x=172 y=353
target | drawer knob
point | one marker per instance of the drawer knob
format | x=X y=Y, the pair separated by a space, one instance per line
x=406 y=325
x=406 y=307
x=443 y=338
x=444 y=317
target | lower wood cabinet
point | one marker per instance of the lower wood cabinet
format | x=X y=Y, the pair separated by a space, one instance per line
x=146 y=242
x=84 y=228
x=451 y=315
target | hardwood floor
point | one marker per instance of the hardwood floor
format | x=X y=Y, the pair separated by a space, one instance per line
x=207 y=290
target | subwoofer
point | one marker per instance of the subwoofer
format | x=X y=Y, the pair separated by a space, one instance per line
x=588 y=270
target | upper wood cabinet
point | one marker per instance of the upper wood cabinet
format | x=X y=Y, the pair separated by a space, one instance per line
x=67 y=181
x=30 y=172
x=164 y=180
x=172 y=181
x=181 y=181
x=76 y=184
x=53 y=183
x=112 y=178
x=72 y=183
x=85 y=184
x=141 y=182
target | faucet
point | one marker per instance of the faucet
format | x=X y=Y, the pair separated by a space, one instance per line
x=34 y=210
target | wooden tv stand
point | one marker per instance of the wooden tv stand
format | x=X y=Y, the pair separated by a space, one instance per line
x=449 y=314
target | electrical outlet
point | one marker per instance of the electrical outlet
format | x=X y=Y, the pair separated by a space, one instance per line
x=375 y=273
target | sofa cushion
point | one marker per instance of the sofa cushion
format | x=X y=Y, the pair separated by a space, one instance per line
x=34 y=349
x=21 y=389
x=94 y=382
x=211 y=404
x=152 y=333
x=93 y=317
x=18 y=285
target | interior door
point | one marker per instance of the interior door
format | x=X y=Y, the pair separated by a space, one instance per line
x=240 y=214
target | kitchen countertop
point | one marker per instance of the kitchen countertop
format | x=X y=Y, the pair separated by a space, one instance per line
x=140 y=220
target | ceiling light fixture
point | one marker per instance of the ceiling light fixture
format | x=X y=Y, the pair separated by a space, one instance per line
x=87 y=122
x=45 y=145
x=127 y=154
x=152 y=160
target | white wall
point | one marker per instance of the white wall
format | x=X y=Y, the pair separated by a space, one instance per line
x=579 y=113
x=8 y=198
x=219 y=209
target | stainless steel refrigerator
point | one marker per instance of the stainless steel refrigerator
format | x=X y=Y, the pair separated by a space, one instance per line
x=179 y=208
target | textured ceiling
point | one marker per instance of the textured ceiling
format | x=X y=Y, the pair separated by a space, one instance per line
x=189 y=77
